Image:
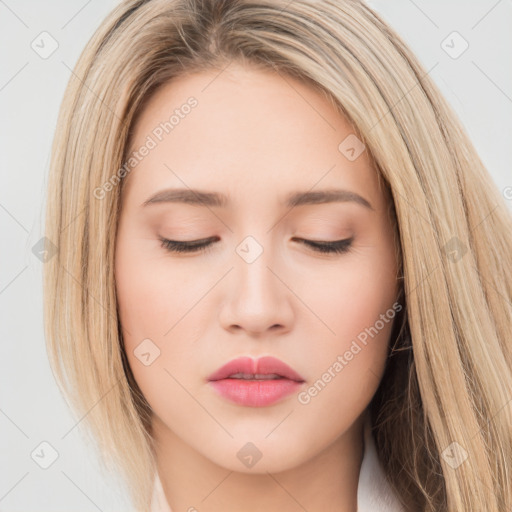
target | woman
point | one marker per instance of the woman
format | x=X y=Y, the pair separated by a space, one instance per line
x=283 y=277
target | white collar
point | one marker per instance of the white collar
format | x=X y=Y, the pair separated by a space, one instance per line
x=374 y=494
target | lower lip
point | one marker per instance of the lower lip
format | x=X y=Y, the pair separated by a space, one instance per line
x=255 y=393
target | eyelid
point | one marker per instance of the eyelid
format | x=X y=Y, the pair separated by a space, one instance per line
x=329 y=247
x=187 y=246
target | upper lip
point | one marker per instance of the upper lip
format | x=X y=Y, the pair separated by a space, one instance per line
x=262 y=366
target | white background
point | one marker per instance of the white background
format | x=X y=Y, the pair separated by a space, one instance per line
x=478 y=84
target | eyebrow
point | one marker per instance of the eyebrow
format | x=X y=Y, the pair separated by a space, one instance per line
x=215 y=199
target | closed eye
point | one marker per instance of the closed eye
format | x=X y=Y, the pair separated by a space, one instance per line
x=337 y=246
x=192 y=246
x=205 y=244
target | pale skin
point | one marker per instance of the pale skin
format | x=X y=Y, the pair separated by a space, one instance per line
x=256 y=139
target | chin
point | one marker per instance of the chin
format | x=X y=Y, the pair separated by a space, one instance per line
x=257 y=457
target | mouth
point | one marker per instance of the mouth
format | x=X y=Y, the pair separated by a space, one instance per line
x=257 y=376
x=264 y=368
x=255 y=383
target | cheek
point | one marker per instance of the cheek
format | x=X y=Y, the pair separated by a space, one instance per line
x=151 y=293
x=152 y=297
x=162 y=301
x=352 y=299
x=357 y=308
x=156 y=308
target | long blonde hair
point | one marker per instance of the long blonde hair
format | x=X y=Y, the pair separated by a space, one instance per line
x=446 y=393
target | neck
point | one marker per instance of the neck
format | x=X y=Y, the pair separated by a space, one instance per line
x=327 y=481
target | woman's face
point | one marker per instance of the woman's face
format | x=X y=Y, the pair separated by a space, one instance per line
x=257 y=139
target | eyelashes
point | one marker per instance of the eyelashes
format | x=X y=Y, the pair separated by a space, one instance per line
x=186 y=247
x=336 y=247
x=206 y=244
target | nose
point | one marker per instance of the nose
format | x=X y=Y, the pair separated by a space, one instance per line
x=256 y=298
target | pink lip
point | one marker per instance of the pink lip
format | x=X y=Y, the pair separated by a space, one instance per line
x=255 y=393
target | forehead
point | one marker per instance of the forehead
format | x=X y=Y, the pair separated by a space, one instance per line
x=251 y=132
